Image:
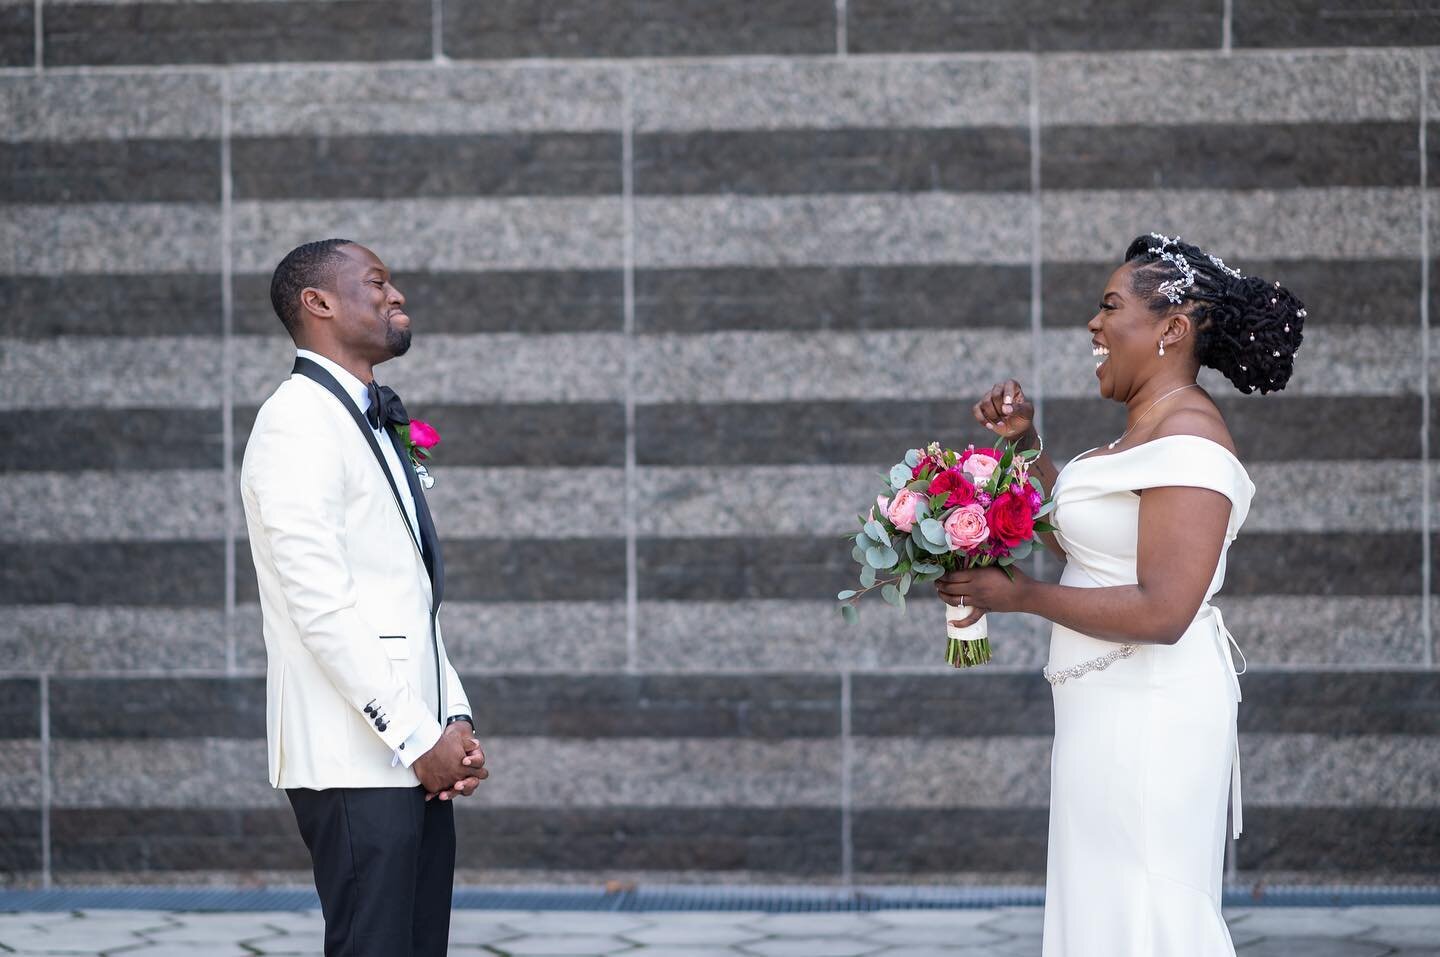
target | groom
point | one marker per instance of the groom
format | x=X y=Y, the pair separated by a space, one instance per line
x=369 y=729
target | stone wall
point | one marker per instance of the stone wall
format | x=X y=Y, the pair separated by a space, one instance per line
x=691 y=274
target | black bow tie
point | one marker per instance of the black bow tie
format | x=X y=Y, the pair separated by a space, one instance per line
x=385 y=407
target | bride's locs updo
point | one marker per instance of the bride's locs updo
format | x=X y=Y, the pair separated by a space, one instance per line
x=1246 y=328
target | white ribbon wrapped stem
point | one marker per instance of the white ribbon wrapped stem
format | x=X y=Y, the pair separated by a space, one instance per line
x=971 y=632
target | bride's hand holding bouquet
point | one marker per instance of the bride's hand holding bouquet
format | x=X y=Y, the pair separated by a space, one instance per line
x=946 y=515
x=1008 y=413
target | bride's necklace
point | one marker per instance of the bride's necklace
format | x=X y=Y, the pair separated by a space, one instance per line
x=1192 y=385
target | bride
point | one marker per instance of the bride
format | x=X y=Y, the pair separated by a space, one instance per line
x=1145 y=688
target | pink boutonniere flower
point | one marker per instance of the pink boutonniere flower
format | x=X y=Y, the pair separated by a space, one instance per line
x=423 y=434
x=419 y=438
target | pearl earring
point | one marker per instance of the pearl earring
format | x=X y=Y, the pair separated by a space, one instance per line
x=1162 y=347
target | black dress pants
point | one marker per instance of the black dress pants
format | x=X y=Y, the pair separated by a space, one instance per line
x=384 y=863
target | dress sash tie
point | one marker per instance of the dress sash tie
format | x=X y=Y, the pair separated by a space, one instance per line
x=1226 y=642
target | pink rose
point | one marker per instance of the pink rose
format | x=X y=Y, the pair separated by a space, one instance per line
x=966 y=529
x=902 y=509
x=980 y=466
x=423 y=434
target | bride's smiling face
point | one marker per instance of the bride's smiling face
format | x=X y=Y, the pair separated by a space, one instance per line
x=1125 y=337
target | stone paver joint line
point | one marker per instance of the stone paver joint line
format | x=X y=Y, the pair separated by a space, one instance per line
x=1361 y=931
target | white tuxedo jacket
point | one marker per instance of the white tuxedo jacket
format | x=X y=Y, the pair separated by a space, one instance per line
x=345 y=598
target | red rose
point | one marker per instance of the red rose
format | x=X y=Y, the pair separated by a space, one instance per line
x=928 y=462
x=1011 y=519
x=955 y=485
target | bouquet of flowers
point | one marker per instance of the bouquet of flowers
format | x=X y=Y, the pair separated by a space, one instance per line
x=944 y=510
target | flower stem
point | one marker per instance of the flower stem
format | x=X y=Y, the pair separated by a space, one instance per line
x=967 y=654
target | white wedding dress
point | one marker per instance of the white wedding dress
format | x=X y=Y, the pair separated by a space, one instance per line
x=1145 y=749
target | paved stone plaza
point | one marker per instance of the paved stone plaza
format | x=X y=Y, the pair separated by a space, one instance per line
x=998 y=932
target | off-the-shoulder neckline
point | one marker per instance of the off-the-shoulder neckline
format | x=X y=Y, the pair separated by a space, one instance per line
x=1178 y=435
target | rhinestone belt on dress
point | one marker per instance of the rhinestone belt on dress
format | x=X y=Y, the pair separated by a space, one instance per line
x=1085 y=667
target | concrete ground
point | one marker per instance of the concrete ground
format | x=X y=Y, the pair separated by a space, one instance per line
x=997 y=932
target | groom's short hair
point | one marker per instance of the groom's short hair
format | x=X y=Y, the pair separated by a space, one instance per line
x=312 y=264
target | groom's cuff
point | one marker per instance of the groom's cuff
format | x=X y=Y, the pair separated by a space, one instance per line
x=420 y=740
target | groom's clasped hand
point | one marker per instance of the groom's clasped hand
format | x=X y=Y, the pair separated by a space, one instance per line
x=454 y=767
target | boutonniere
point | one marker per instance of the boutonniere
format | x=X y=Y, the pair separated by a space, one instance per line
x=419 y=438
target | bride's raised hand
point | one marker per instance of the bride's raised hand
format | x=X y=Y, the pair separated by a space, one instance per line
x=1006 y=411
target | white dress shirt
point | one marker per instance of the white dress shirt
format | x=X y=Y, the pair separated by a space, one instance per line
x=421 y=740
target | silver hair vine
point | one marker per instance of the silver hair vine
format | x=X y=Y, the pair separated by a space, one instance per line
x=1174 y=290
x=1219 y=264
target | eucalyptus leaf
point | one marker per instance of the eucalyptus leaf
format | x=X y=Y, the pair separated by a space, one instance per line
x=877 y=533
x=858 y=554
x=891 y=594
x=1046 y=509
x=928 y=568
x=899 y=477
x=881 y=558
x=1007 y=560
x=905 y=580
x=863 y=541
x=1021 y=551
x=912 y=458
x=846 y=594
x=850 y=614
x=935 y=549
x=933 y=531
x=910 y=551
x=867 y=577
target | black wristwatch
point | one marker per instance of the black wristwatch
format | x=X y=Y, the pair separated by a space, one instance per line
x=460 y=717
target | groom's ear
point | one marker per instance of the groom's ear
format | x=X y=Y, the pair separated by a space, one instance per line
x=316 y=302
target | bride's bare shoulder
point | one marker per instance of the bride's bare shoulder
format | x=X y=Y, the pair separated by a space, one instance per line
x=1202 y=420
